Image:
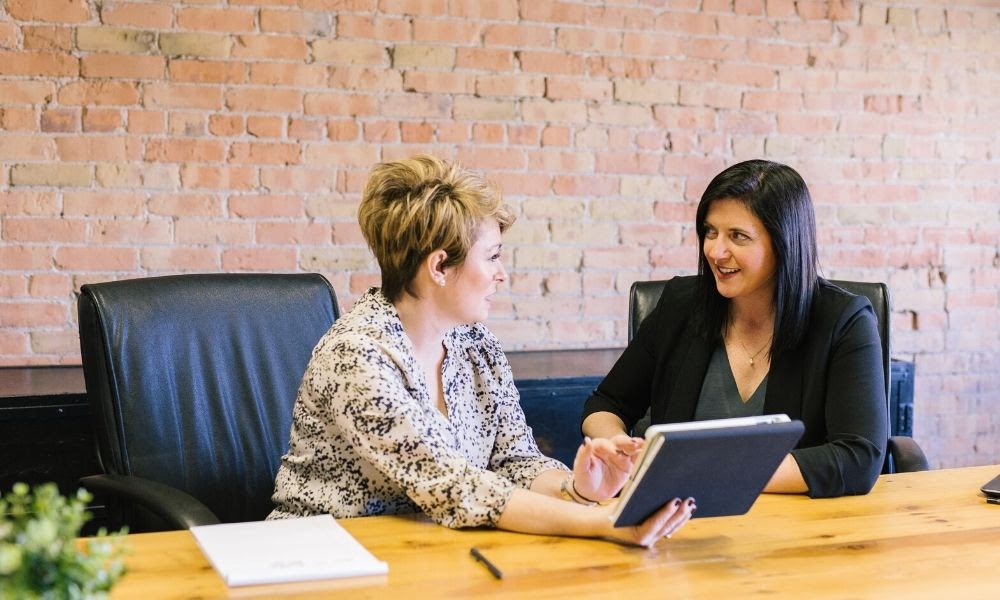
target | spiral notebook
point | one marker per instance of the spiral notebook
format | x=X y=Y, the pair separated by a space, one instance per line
x=285 y=550
x=723 y=464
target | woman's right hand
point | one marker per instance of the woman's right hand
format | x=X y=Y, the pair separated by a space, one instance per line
x=663 y=523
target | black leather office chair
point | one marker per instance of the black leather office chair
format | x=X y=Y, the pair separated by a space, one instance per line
x=191 y=380
x=903 y=454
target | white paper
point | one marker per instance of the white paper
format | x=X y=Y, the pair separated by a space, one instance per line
x=285 y=550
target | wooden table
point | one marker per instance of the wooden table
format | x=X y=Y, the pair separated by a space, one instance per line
x=917 y=535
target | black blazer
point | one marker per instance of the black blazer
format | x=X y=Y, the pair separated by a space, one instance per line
x=833 y=382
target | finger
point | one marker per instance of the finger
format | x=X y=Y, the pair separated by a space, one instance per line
x=670 y=518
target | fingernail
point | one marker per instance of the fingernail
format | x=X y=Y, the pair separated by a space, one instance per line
x=677 y=502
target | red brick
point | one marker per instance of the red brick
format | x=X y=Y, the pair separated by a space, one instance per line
x=146 y=121
x=339 y=155
x=57 y=175
x=47 y=38
x=123 y=66
x=518 y=36
x=338 y=104
x=99 y=92
x=197 y=232
x=88 y=148
x=286 y=21
x=492 y=158
x=226 y=125
x=416 y=106
x=343 y=130
x=32 y=314
x=26 y=92
x=134 y=14
x=350 y=78
x=419 y=133
x=62 y=120
x=306 y=129
x=184 y=150
x=382 y=28
x=346 y=52
x=96 y=259
x=553 y=11
x=176 y=259
x=265 y=206
x=232 y=20
x=35 y=64
x=265 y=153
x=415 y=7
x=8 y=36
x=102 y=119
x=206 y=71
x=265 y=126
x=259 y=259
x=27 y=203
x=18 y=119
x=44 y=230
x=488 y=133
x=220 y=178
x=57 y=285
x=588 y=40
x=381 y=131
x=252 y=99
x=89 y=204
x=309 y=234
x=165 y=95
x=270 y=47
x=462 y=32
x=27 y=148
x=185 y=205
x=288 y=74
x=52 y=11
x=484 y=59
x=438 y=82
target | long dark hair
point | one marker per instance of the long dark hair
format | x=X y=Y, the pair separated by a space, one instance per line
x=778 y=196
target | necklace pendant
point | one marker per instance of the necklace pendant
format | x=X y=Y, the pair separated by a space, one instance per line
x=751 y=362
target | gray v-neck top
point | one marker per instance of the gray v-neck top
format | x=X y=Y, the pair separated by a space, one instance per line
x=720 y=398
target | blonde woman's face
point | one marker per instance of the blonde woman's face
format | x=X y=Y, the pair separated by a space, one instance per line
x=471 y=284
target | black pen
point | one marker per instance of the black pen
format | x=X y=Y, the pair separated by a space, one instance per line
x=486 y=562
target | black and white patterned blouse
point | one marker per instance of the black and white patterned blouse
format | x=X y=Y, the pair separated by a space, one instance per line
x=367 y=439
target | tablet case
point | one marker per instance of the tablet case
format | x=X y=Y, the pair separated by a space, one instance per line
x=724 y=469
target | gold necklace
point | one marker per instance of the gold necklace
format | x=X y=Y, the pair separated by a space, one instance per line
x=747 y=352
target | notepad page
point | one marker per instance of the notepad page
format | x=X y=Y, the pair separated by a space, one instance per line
x=285 y=550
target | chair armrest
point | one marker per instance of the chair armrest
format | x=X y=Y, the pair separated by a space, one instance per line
x=179 y=509
x=907 y=455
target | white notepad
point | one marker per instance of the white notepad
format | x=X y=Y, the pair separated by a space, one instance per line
x=285 y=550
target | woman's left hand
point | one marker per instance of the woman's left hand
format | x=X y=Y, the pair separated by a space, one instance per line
x=603 y=465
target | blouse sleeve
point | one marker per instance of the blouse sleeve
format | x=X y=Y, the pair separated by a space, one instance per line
x=855 y=412
x=379 y=416
x=515 y=454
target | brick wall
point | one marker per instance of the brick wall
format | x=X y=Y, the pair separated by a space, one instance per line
x=141 y=138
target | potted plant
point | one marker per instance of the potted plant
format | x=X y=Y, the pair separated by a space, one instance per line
x=40 y=556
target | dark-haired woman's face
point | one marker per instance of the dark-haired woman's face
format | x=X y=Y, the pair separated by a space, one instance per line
x=738 y=250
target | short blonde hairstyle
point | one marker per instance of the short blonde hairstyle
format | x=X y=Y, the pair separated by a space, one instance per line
x=412 y=207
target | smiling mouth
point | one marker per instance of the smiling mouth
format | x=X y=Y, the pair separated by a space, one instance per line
x=726 y=271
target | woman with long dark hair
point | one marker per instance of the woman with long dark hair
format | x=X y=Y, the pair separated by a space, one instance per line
x=757 y=331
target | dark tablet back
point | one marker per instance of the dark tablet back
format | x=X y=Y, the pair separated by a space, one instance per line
x=723 y=468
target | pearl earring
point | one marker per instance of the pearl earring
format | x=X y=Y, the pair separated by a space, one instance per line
x=441 y=282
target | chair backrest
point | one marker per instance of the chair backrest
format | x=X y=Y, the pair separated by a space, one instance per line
x=644 y=295
x=191 y=379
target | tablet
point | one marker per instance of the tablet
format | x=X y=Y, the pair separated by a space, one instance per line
x=992 y=490
x=723 y=464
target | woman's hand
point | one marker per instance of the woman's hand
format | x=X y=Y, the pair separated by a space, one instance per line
x=603 y=465
x=663 y=523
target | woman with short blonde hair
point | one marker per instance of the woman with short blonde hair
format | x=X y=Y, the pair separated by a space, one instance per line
x=408 y=403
